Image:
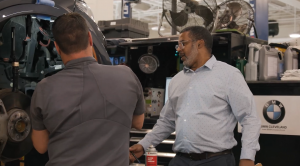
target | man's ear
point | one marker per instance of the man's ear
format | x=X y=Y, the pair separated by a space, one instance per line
x=200 y=44
x=57 y=48
x=90 y=39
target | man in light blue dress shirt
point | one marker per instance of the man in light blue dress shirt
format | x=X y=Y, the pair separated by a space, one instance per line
x=205 y=101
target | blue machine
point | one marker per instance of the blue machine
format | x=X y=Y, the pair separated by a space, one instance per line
x=127 y=10
x=261 y=14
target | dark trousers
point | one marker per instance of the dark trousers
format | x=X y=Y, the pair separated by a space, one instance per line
x=222 y=160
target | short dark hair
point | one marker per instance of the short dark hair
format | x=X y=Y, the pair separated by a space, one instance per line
x=70 y=32
x=200 y=33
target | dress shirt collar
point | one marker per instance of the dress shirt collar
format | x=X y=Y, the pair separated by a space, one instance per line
x=209 y=64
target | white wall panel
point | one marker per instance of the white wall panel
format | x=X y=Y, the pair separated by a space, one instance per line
x=102 y=9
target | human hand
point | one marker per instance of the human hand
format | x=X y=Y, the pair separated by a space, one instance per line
x=138 y=151
x=246 y=162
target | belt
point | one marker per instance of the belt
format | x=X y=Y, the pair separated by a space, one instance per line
x=203 y=156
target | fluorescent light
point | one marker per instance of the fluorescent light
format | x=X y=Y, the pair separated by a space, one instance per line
x=3 y=16
x=295 y=35
x=156 y=28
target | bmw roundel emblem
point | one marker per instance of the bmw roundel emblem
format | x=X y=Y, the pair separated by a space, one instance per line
x=274 y=111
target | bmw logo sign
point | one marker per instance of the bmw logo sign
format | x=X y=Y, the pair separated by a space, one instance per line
x=274 y=111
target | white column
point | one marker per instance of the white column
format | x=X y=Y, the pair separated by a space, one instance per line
x=102 y=9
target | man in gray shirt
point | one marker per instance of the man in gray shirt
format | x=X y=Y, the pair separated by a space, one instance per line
x=205 y=101
x=83 y=114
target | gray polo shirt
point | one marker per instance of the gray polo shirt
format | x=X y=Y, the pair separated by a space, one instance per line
x=87 y=108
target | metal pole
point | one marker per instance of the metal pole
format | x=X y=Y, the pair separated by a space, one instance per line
x=130 y=10
x=295 y=19
x=174 y=9
x=122 y=9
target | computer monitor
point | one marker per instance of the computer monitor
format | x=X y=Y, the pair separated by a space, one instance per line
x=168 y=80
x=111 y=60
x=118 y=60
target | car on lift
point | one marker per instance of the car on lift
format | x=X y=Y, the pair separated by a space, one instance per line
x=37 y=58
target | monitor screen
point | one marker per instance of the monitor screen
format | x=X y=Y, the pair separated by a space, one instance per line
x=119 y=60
x=116 y=61
x=168 y=80
x=111 y=60
x=122 y=60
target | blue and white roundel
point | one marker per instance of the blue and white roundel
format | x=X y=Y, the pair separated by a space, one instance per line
x=273 y=112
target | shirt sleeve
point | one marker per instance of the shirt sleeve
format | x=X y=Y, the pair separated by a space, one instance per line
x=243 y=106
x=36 y=110
x=163 y=128
x=140 y=105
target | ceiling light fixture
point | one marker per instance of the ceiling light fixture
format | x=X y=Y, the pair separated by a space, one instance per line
x=295 y=35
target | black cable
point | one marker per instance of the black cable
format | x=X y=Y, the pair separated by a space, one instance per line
x=253 y=24
x=255 y=31
x=246 y=46
x=74 y=6
x=15 y=62
x=28 y=26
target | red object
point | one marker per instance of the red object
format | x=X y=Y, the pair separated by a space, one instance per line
x=151 y=160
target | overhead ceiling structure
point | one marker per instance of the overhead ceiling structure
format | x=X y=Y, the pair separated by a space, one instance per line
x=285 y=12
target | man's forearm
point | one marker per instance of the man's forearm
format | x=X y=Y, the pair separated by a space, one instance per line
x=245 y=162
x=250 y=136
x=40 y=139
x=160 y=132
x=138 y=121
